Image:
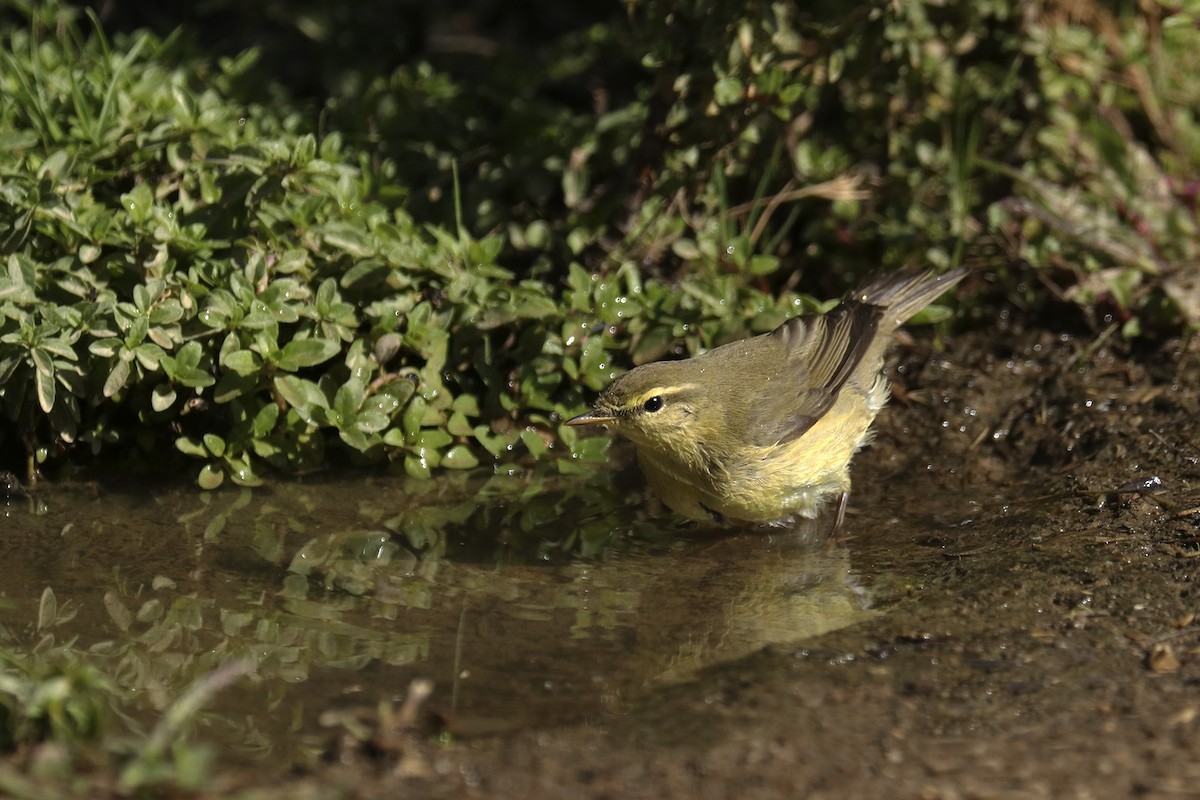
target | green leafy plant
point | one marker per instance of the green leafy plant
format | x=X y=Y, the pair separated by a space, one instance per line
x=433 y=279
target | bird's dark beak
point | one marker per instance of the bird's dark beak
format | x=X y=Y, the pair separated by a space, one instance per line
x=593 y=417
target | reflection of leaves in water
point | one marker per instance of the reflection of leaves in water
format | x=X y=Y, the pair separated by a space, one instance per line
x=527 y=595
x=534 y=516
x=405 y=528
x=49 y=612
x=160 y=644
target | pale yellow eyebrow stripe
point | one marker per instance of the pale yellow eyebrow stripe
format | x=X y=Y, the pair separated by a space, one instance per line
x=663 y=391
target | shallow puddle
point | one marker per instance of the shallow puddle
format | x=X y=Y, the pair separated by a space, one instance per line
x=541 y=600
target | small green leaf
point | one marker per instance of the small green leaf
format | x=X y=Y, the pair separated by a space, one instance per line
x=166 y=313
x=184 y=368
x=243 y=362
x=349 y=398
x=459 y=457
x=685 y=249
x=416 y=466
x=59 y=347
x=215 y=444
x=433 y=439
x=139 y=202
x=162 y=397
x=357 y=439
x=117 y=378
x=46 y=389
x=303 y=395
x=466 y=404
x=265 y=419
x=211 y=476
x=190 y=447
x=534 y=443
x=400 y=390
x=763 y=264
x=459 y=425
x=105 y=348
x=484 y=251
x=350 y=239
x=371 y=422
x=306 y=353
x=728 y=90
x=653 y=346
x=591 y=448
x=413 y=414
x=305 y=149
x=241 y=473
x=149 y=356
x=494 y=443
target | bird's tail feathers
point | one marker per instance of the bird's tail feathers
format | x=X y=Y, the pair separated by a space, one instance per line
x=903 y=294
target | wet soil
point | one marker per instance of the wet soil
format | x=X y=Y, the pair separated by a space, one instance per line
x=1009 y=612
x=1042 y=640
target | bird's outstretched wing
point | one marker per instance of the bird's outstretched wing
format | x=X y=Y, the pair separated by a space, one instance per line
x=819 y=354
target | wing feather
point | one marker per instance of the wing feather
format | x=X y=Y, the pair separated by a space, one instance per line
x=821 y=352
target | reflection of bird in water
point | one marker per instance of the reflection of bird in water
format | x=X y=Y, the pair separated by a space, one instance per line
x=782 y=592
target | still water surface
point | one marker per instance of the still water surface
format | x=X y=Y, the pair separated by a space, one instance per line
x=524 y=603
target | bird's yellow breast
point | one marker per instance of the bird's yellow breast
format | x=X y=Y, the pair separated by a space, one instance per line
x=765 y=485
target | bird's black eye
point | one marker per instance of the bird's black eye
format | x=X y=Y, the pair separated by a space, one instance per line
x=653 y=404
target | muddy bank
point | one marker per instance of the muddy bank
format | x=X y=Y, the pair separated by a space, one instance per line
x=1034 y=508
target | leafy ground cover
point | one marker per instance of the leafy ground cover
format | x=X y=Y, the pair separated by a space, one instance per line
x=432 y=265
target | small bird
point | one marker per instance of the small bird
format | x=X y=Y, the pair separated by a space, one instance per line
x=761 y=431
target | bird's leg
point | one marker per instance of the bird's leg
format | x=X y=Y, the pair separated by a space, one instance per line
x=841 y=515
